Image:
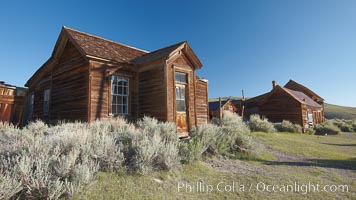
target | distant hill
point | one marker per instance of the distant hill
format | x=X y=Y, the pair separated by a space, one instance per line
x=224 y=98
x=331 y=111
x=341 y=112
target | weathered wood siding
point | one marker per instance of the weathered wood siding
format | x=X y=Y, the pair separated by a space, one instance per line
x=38 y=92
x=100 y=86
x=12 y=104
x=280 y=106
x=201 y=95
x=152 y=91
x=69 y=87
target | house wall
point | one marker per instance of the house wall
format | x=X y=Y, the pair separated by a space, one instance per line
x=152 y=91
x=100 y=89
x=201 y=107
x=69 y=87
x=38 y=91
x=12 y=104
x=280 y=106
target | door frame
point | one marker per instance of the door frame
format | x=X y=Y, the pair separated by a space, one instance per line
x=187 y=91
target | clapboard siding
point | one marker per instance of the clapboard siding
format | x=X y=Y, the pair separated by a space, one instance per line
x=69 y=86
x=201 y=101
x=281 y=106
x=152 y=94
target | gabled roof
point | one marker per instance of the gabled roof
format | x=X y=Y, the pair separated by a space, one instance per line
x=94 y=47
x=214 y=105
x=160 y=53
x=298 y=96
x=299 y=87
x=103 y=48
x=303 y=98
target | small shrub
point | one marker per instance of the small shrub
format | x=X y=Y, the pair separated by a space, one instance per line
x=326 y=127
x=262 y=125
x=235 y=135
x=37 y=128
x=287 y=126
x=203 y=138
x=310 y=131
x=343 y=125
x=155 y=147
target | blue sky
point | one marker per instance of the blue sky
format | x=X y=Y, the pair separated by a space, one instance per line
x=242 y=44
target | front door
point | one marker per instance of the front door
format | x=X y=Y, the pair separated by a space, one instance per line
x=181 y=103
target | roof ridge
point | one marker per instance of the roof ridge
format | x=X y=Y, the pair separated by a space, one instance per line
x=165 y=47
x=91 y=35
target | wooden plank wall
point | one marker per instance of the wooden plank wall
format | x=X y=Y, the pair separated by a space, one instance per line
x=69 y=87
x=280 y=106
x=100 y=94
x=12 y=104
x=201 y=95
x=152 y=92
x=38 y=92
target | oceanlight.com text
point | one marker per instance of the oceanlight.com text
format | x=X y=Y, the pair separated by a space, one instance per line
x=294 y=187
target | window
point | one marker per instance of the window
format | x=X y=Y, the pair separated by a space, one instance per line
x=46 y=102
x=180 y=98
x=310 y=118
x=119 y=95
x=181 y=80
x=181 y=77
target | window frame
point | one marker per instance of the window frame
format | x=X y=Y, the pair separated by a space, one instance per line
x=181 y=84
x=127 y=96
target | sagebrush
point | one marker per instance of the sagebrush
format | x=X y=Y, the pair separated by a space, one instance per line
x=257 y=123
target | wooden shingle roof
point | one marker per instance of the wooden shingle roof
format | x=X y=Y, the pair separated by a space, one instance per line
x=103 y=48
x=158 y=54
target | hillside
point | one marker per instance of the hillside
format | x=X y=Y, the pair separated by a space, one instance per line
x=331 y=111
x=341 y=112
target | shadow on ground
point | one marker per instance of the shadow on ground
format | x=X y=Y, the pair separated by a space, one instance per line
x=337 y=164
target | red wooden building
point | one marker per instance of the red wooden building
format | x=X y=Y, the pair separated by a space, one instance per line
x=12 y=103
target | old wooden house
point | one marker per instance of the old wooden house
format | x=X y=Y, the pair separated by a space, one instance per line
x=215 y=108
x=88 y=77
x=12 y=103
x=293 y=102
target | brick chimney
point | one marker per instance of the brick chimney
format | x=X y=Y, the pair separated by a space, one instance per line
x=273 y=84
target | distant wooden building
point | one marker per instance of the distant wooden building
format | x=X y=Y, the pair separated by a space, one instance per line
x=12 y=103
x=299 y=105
x=214 y=106
x=89 y=77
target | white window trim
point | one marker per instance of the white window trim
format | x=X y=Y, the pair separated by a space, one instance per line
x=121 y=95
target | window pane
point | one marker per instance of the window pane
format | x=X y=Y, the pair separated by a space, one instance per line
x=181 y=105
x=125 y=91
x=119 y=109
x=119 y=99
x=124 y=100
x=120 y=90
x=124 y=109
x=114 y=109
x=181 y=77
